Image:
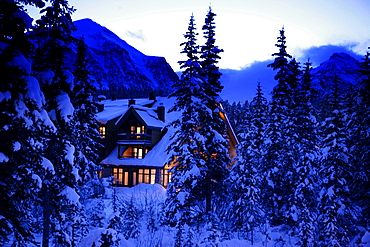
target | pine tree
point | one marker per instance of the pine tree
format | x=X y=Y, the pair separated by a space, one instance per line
x=88 y=148
x=107 y=238
x=213 y=126
x=62 y=200
x=335 y=211
x=130 y=221
x=244 y=190
x=25 y=127
x=209 y=59
x=279 y=157
x=306 y=165
x=198 y=147
x=184 y=191
x=359 y=143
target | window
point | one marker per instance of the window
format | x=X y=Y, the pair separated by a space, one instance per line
x=137 y=153
x=121 y=176
x=122 y=151
x=137 y=130
x=166 y=175
x=102 y=131
x=147 y=176
x=118 y=176
x=131 y=152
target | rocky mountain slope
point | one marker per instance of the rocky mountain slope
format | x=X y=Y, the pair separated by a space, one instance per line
x=340 y=67
x=122 y=71
x=240 y=85
x=119 y=68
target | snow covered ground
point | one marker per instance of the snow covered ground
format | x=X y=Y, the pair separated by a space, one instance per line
x=148 y=199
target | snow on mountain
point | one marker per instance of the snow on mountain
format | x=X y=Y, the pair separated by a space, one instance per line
x=120 y=68
x=341 y=67
x=240 y=85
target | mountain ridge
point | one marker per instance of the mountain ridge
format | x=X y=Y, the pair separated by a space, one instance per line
x=119 y=68
x=122 y=71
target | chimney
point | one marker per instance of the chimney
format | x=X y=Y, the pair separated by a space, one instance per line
x=100 y=107
x=113 y=96
x=131 y=102
x=151 y=96
x=161 y=112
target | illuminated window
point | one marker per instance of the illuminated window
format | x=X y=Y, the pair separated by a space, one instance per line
x=102 y=131
x=165 y=178
x=131 y=152
x=118 y=176
x=137 y=153
x=137 y=130
x=166 y=175
x=147 y=176
x=125 y=178
x=152 y=176
x=121 y=176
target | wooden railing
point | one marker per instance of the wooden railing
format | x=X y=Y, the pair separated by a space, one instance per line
x=134 y=137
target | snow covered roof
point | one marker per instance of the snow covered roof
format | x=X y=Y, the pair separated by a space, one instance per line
x=118 y=108
x=112 y=109
x=148 y=115
x=156 y=157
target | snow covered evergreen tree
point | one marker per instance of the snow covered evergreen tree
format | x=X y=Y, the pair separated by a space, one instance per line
x=279 y=157
x=130 y=220
x=359 y=143
x=304 y=205
x=87 y=147
x=239 y=117
x=53 y=33
x=244 y=191
x=213 y=126
x=86 y=108
x=199 y=149
x=335 y=210
x=185 y=190
x=209 y=59
x=25 y=128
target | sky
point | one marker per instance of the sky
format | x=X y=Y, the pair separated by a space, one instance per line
x=247 y=30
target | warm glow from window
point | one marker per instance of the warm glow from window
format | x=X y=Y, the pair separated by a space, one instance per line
x=102 y=131
x=132 y=152
x=137 y=130
x=147 y=176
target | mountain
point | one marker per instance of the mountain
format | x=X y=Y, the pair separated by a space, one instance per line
x=119 y=68
x=341 y=67
x=240 y=85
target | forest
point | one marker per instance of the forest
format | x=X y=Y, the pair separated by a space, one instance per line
x=300 y=177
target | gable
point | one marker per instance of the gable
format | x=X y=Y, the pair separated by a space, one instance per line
x=142 y=115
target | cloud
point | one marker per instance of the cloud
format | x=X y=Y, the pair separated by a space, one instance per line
x=319 y=54
x=240 y=85
x=136 y=35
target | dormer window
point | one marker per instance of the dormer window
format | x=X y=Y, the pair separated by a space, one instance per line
x=131 y=152
x=137 y=153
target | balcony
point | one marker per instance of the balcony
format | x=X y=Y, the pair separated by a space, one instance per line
x=137 y=138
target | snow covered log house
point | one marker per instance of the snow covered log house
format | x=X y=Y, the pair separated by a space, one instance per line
x=136 y=134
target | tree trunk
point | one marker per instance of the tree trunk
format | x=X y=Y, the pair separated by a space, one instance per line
x=46 y=214
x=208 y=196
